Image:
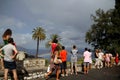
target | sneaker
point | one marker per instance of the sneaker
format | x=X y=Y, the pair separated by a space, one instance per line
x=62 y=75
x=66 y=75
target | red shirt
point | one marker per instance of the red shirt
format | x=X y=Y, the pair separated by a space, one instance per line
x=53 y=46
x=63 y=55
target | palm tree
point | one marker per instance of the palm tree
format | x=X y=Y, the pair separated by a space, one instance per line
x=39 y=35
x=52 y=37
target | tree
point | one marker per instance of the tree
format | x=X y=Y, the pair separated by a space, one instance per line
x=105 y=30
x=52 y=37
x=98 y=35
x=39 y=35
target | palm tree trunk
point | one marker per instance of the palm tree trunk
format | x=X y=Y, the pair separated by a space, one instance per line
x=37 y=48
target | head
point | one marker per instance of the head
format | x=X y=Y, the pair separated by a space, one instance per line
x=74 y=46
x=7 y=34
x=86 y=49
x=89 y=50
x=117 y=54
x=63 y=47
x=55 y=41
x=10 y=40
x=96 y=51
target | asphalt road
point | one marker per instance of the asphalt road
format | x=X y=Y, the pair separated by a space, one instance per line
x=112 y=73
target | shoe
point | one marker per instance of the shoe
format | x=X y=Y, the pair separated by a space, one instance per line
x=46 y=77
x=62 y=75
x=76 y=73
x=66 y=75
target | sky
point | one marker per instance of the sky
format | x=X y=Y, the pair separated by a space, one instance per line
x=70 y=19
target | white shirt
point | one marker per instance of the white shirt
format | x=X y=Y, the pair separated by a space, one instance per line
x=100 y=55
x=87 y=56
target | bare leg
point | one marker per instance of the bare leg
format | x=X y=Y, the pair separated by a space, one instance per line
x=71 y=67
x=2 y=63
x=15 y=74
x=84 y=69
x=57 y=74
x=5 y=74
x=88 y=66
x=46 y=75
x=76 y=68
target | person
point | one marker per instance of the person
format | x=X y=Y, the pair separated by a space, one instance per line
x=63 y=56
x=100 y=59
x=90 y=63
x=54 y=53
x=117 y=58
x=96 y=58
x=107 y=60
x=74 y=53
x=9 y=62
x=86 y=56
x=6 y=35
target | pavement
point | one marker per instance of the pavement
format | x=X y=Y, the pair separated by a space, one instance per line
x=112 y=73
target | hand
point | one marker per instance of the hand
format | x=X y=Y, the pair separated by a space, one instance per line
x=12 y=56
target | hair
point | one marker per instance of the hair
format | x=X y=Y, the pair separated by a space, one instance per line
x=89 y=50
x=57 y=48
x=86 y=49
x=7 y=32
x=63 y=47
x=55 y=41
x=10 y=40
x=74 y=46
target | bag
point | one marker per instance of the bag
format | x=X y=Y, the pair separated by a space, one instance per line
x=48 y=69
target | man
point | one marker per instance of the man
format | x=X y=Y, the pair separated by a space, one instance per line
x=10 y=52
x=63 y=56
x=86 y=56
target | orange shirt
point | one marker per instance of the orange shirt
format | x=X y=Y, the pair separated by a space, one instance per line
x=63 y=55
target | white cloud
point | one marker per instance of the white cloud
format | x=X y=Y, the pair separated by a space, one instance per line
x=10 y=22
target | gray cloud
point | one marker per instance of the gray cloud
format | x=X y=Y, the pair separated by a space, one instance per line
x=68 y=18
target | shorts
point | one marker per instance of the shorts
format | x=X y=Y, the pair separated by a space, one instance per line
x=10 y=65
x=86 y=64
x=63 y=65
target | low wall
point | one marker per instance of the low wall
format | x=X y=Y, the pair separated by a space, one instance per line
x=34 y=63
x=28 y=66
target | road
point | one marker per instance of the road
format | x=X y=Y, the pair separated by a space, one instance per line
x=112 y=73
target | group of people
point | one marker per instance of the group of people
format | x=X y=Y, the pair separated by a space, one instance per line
x=7 y=55
x=105 y=59
x=59 y=59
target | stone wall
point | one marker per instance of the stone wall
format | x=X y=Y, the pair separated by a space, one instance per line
x=34 y=63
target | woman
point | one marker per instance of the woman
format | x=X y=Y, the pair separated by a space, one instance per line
x=6 y=35
x=54 y=53
x=74 y=53
x=9 y=62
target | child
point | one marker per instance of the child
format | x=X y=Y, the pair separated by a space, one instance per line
x=116 y=58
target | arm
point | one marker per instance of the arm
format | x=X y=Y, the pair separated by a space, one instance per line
x=50 y=42
x=1 y=53
x=15 y=50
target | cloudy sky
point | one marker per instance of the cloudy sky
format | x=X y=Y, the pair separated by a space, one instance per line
x=68 y=18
